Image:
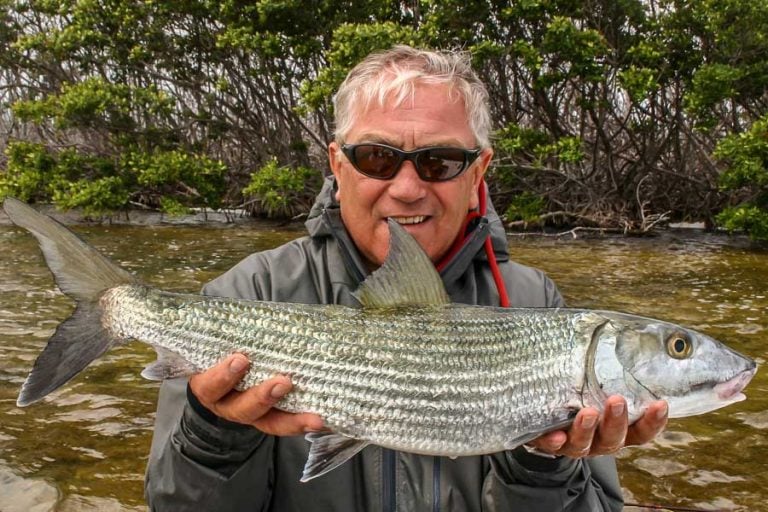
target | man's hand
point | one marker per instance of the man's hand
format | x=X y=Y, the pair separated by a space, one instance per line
x=590 y=436
x=214 y=388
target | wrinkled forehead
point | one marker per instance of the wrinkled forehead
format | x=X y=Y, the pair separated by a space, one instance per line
x=397 y=88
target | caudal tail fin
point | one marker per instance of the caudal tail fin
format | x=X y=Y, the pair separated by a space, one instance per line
x=83 y=274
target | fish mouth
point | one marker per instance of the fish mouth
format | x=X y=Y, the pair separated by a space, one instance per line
x=410 y=219
x=731 y=389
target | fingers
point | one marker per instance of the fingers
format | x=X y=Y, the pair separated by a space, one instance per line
x=649 y=425
x=612 y=430
x=215 y=383
x=214 y=389
x=582 y=433
x=281 y=423
x=255 y=407
x=550 y=442
x=590 y=435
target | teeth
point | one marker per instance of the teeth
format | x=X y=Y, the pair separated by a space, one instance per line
x=410 y=220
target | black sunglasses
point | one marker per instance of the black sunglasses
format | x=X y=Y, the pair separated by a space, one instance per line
x=382 y=162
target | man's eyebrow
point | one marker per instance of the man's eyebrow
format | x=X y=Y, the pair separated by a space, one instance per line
x=398 y=143
x=379 y=139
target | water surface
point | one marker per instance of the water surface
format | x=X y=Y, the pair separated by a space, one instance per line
x=85 y=446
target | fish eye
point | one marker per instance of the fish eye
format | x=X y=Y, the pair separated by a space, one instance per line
x=679 y=346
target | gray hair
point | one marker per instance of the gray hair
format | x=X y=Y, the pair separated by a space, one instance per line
x=394 y=73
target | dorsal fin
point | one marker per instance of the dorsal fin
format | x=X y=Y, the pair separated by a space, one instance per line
x=407 y=276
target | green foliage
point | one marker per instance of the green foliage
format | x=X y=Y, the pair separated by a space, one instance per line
x=192 y=179
x=565 y=149
x=746 y=155
x=639 y=82
x=537 y=146
x=351 y=43
x=572 y=52
x=746 y=158
x=711 y=85
x=281 y=191
x=69 y=178
x=731 y=69
x=29 y=171
x=748 y=218
x=75 y=179
x=173 y=104
x=518 y=140
x=95 y=103
x=526 y=207
x=95 y=196
x=173 y=206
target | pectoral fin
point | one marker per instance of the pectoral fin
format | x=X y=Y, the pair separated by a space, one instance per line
x=329 y=451
x=168 y=366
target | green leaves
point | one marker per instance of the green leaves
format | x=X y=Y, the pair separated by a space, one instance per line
x=173 y=104
x=351 y=43
x=526 y=207
x=746 y=158
x=282 y=191
x=534 y=146
x=748 y=218
x=72 y=178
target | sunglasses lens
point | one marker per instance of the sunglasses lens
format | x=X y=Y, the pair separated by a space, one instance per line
x=432 y=164
x=376 y=161
x=441 y=164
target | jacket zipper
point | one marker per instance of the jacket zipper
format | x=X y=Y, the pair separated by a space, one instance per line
x=388 y=480
x=436 y=484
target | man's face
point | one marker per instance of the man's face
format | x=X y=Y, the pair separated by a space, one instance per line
x=433 y=212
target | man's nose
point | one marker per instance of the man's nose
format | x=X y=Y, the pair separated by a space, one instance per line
x=406 y=186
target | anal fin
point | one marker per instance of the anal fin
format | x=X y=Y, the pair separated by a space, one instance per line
x=329 y=451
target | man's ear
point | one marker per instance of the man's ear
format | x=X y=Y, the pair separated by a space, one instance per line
x=479 y=167
x=334 y=161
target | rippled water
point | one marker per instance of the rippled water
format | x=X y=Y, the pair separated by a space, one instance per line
x=85 y=446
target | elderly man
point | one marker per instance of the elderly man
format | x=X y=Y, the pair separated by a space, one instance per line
x=412 y=144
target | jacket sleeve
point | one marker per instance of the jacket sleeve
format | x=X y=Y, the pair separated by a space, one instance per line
x=199 y=461
x=198 y=464
x=522 y=481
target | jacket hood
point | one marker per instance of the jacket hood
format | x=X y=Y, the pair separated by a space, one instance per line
x=325 y=220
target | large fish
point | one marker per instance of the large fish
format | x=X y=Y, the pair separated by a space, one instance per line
x=407 y=370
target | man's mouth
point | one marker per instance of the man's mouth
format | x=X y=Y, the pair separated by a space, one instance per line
x=414 y=219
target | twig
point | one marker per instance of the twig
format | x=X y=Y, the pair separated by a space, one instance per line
x=549 y=215
x=673 y=508
x=573 y=232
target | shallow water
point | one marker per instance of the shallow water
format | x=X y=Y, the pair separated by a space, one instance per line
x=85 y=446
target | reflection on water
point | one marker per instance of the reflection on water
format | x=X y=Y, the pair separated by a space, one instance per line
x=85 y=446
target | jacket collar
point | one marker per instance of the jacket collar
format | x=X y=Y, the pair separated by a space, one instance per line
x=324 y=220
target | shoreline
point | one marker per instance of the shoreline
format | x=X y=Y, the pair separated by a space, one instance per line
x=226 y=218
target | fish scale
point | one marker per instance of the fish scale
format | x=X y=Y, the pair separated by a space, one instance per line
x=407 y=370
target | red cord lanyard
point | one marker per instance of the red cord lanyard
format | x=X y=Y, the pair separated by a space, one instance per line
x=488 y=245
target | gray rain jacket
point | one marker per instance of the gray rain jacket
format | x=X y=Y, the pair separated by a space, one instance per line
x=199 y=462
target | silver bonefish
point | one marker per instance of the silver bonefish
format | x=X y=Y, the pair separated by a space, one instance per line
x=407 y=370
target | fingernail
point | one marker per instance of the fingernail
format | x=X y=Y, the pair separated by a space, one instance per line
x=238 y=364
x=589 y=421
x=617 y=409
x=662 y=413
x=552 y=448
x=279 y=390
x=314 y=428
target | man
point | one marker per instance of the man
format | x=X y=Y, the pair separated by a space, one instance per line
x=412 y=144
